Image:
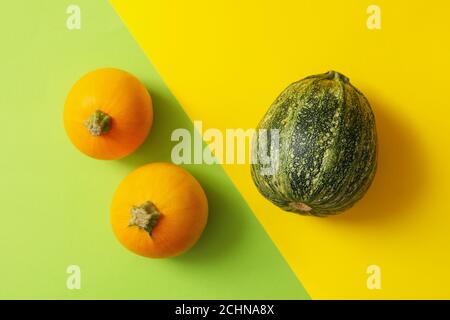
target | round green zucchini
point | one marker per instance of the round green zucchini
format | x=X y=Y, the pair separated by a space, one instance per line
x=325 y=154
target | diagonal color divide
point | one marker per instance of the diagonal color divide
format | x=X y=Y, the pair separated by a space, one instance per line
x=55 y=201
x=226 y=61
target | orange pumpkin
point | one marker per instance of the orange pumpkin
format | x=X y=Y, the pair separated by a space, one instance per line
x=159 y=211
x=108 y=114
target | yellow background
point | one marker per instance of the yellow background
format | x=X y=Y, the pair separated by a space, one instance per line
x=226 y=61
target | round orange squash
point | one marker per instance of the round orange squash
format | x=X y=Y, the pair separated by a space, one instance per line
x=159 y=211
x=108 y=114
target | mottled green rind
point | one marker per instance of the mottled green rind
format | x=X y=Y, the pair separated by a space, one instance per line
x=327 y=147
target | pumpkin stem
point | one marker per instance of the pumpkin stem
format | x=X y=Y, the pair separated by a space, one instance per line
x=98 y=123
x=334 y=75
x=300 y=206
x=144 y=216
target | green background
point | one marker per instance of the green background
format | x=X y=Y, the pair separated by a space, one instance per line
x=55 y=201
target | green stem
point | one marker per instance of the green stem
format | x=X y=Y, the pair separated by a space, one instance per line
x=334 y=75
x=98 y=123
x=144 y=216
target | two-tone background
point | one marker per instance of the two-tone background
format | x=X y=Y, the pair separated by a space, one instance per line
x=224 y=62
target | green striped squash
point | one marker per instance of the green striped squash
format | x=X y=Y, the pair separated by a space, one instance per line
x=321 y=137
